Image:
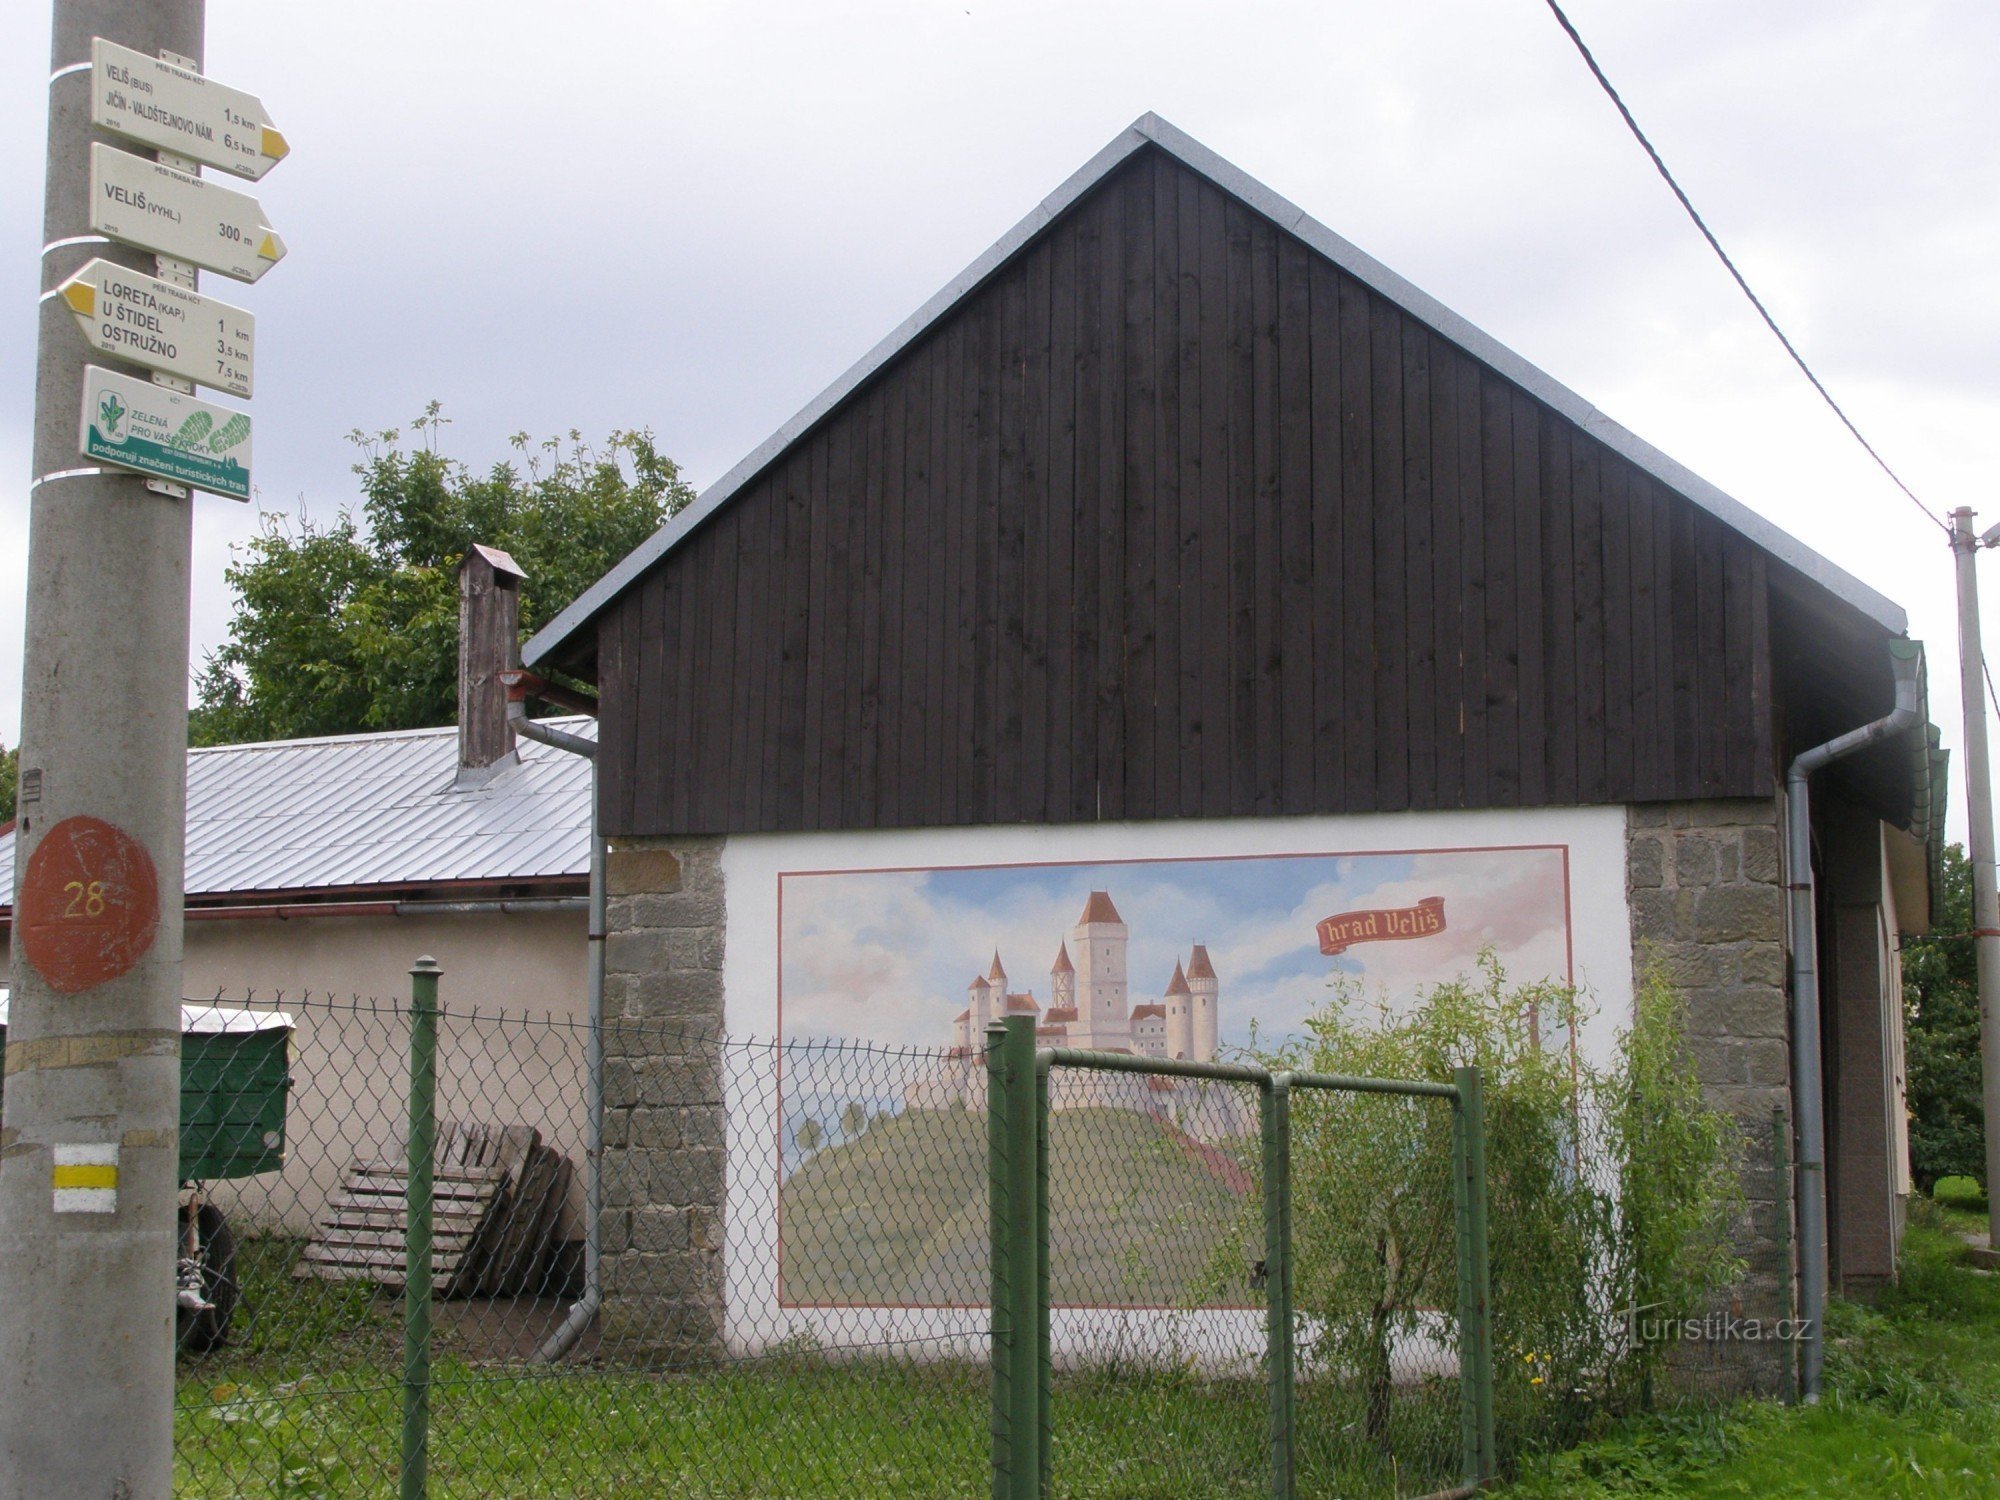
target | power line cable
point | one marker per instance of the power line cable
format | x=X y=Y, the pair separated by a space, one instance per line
x=1723 y=255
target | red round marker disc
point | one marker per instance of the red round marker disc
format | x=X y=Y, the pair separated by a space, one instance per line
x=90 y=904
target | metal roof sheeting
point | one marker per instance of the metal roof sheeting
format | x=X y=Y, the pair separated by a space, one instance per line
x=368 y=810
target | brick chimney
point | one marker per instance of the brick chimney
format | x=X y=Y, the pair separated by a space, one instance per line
x=489 y=616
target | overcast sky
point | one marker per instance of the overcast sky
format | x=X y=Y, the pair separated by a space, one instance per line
x=692 y=217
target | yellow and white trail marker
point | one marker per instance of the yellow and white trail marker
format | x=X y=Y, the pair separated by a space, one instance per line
x=85 y=1179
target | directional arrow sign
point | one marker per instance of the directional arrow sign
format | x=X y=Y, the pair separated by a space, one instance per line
x=138 y=425
x=171 y=213
x=162 y=326
x=153 y=101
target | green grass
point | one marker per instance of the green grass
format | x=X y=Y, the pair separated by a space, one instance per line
x=1912 y=1405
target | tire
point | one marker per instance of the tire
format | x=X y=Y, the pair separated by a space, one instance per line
x=199 y=1332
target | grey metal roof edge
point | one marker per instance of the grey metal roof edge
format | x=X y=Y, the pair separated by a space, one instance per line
x=1149 y=128
x=368 y=736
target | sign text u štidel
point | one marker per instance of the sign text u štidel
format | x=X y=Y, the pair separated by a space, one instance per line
x=1384 y=924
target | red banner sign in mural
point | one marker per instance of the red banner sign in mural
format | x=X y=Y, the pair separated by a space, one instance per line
x=1338 y=933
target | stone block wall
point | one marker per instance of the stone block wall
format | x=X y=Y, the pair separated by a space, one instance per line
x=665 y=1125
x=1705 y=884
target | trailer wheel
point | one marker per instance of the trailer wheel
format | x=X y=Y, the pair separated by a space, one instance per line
x=202 y=1329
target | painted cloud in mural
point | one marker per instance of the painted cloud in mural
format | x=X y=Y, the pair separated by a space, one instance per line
x=888 y=955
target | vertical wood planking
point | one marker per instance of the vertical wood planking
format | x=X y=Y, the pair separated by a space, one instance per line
x=1139 y=444
x=1034 y=500
x=859 y=805
x=1060 y=559
x=1359 y=729
x=1009 y=620
x=1647 y=647
x=1559 y=615
x=1189 y=542
x=1295 y=518
x=1109 y=705
x=895 y=611
x=1620 y=717
x=1215 y=518
x=1166 y=729
x=986 y=629
x=1419 y=609
x=1091 y=438
x=1447 y=598
x=1266 y=600
x=1242 y=533
x=961 y=718
x=1740 y=721
x=1172 y=518
x=1528 y=520
x=1503 y=644
x=1587 y=559
x=1475 y=721
x=1391 y=518
x=1686 y=628
x=1712 y=658
x=1329 y=642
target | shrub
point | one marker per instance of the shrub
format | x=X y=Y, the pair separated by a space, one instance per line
x=1609 y=1188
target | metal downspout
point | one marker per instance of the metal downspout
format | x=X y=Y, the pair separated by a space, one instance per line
x=584 y=1310
x=1808 y=1105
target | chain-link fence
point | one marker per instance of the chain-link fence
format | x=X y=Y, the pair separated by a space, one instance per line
x=787 y=1297
x=1173 y=1316
x=831 y=1268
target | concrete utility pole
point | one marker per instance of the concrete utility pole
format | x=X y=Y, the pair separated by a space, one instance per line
x=1979 y=841
x=90 y=1144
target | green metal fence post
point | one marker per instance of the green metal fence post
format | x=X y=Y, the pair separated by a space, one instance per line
x=1474 y=1106
x=1781 y=1162
x=1277 y=1130
x=1044 y=1362
x=1000 y=1311
x=1468 y=1321
x=417 y=1230
x=1024 y=1250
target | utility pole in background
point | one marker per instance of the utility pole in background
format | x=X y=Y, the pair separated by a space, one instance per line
x=1965 y=548
x=89 y=1152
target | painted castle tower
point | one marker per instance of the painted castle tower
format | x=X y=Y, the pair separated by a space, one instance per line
x=1090 y=997
x=1090 y=1007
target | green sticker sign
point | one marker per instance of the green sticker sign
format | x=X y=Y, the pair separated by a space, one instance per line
x=138 y=425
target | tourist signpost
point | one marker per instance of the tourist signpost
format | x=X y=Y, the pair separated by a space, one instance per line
x=88 y=1183
x=150 y=205
x=175 y=109
x=163 y=326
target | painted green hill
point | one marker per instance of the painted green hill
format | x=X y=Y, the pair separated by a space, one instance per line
x=1137 y=1213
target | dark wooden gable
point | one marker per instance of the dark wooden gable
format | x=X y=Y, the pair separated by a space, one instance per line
x=1172 y=517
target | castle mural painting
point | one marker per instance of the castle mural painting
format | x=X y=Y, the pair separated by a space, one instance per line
x=1175 y=958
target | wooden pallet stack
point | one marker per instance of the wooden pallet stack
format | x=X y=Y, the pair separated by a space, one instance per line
x=496 y=1194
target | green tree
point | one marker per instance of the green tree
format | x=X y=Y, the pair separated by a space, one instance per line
x=352 y=624
x=853 y=1120
x=1941 y=1038
x=10 y=771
